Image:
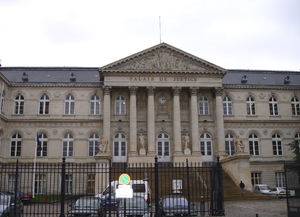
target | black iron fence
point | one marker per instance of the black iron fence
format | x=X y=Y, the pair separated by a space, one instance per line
x=292 y=179
x=50 y=189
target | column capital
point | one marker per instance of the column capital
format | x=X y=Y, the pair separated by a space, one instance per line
x=133 y=90
x=107 y=90
x=176 y=91
x=150 y=90
x=219 y=91
x=193 y=90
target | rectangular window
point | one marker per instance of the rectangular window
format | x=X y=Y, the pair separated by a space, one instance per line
x=68 y=148
x=256 y=178
x=40 y=184
x=253 y=146
x=280 y=179
x=12 y=182
x=90 y=183
x=68 y=184
x=15 y=149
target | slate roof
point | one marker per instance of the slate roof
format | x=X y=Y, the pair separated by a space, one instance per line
x=48 y=75
x=51 y=74
x=261 y=78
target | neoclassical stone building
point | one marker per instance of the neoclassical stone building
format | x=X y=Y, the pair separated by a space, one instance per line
x=159 y=102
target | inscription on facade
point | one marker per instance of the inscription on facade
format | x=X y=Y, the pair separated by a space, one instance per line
x=164 y=79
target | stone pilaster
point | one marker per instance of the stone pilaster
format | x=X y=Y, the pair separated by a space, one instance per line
x=151 y=121
x=194 y=121
x=176 y=121
x=133 y=121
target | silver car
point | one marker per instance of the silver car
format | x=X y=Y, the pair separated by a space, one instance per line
x=10 y=205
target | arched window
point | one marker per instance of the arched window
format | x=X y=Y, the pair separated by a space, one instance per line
x=250 y=106
x=277 y=146
x=203 y=106
x=93 y=144
x=69 y=105
x=273 y=106
x=229 y=145
x=120 y=105
x=42 y=145
x=227 y=106
x=295 y=106
x=15 y=145
x=253 y=144
x=44 y=105
x=19 y=105
x=68 y=145
x=95 y=105
x=206 y=146
x=163 y=147
x=120 y=148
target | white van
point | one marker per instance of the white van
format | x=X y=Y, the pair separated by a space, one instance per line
x=262 y=189
x=140 y=188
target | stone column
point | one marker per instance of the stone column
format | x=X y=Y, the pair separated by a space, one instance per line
x=151 y=121
x=106 y=115
x=220 y=123
x=176 y=121
x=133 y=121
x=194 y=121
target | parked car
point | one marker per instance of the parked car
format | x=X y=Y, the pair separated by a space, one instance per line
x=176 y=205
x=110 y=202
x=278 y=192
x=86 y=206
x=22 y=196
x=261 y=189
x=10 y=205
x=135 y=206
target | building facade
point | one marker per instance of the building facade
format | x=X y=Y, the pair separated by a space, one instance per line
x=160 y=102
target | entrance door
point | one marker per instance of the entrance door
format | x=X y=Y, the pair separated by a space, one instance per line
x=163 y=147
x=120 y=149
x=206 y=147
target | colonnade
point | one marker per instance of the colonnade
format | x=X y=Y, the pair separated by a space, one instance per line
x=151 y=136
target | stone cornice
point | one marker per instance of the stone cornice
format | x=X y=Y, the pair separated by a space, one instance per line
x=76 y=85
x=262 y=87
x=130 y=72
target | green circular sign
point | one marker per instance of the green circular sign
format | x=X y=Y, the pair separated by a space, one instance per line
x=124 y=179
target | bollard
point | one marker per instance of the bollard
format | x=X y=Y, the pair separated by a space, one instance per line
x=202 y=206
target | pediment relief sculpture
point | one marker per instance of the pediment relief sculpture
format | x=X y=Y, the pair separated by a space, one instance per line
x=163 y=57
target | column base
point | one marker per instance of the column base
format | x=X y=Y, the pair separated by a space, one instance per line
x=133 y=153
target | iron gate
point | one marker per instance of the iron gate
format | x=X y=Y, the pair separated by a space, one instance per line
x=292 y=180
x=54 y=187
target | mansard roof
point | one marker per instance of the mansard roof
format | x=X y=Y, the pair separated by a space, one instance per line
x=261 y=78
x=40 y=75
x=162 y=58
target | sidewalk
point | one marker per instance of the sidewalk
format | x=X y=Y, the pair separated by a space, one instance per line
x=264 y=208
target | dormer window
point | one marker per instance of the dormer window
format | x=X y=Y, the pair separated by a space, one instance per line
x=244 y=78
x=25 y=76
x=287 y=79
x=72 y=77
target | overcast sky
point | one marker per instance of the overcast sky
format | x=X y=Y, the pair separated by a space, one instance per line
x=233 y=34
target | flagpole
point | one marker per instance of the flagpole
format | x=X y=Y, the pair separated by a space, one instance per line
x=34 y=164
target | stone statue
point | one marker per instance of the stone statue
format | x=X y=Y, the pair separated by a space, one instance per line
x=186 y=141
x=142 y=144
x=239 y=145
x=142 y=141
x=103 y=146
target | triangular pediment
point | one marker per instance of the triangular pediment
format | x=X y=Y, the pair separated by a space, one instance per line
x=163 y=58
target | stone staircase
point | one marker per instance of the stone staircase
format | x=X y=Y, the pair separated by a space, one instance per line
x=232 y=192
